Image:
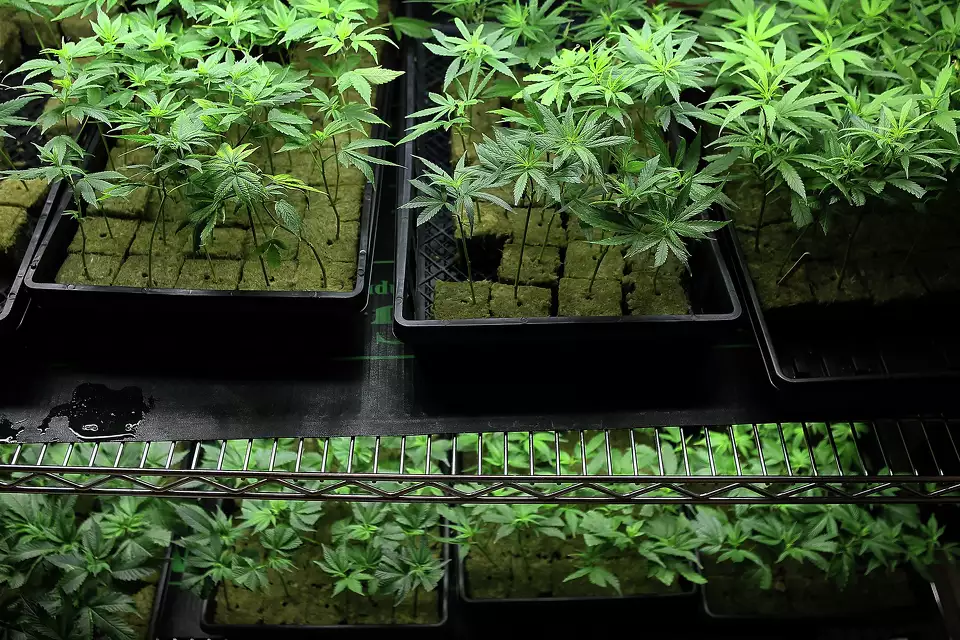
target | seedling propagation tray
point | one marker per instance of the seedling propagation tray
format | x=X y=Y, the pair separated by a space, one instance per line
x=170 y=302
x=846 y=344
x=430 y=253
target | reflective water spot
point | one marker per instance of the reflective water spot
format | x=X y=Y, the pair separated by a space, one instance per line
x=96 y=412
x=8 y=431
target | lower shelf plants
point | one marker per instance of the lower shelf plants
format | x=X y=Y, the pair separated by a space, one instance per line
x=76 y=568
x=306 y=564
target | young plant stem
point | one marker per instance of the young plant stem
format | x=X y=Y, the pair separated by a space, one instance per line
x=83 y=232
x=33 y=25
x=283 y=583
x=763 y=208
x=330 y=197
x=9 y=161
x=546 y=237
x=596 y=269
x=523 y=244
x=463 y=143
x=83 y=249
x=103 y=141
x=846 y=254
x=523 y=553
x=416 y=603
x=226 y=596
x=213 y=273
x=300 y=238
x=466 y=257
x=256 y=242
x=153 y=233
x=793 y=246
x=656 y=275
x=336 y=166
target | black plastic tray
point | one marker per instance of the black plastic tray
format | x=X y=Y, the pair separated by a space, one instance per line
x=566 y=615
x=259 y=631
x=838 y=347
x=430 y=252
x=14 y=306
x=899 y=616
x=114 y=300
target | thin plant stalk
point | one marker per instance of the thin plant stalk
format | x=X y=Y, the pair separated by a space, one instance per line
x=523 y=244
x=330 y=197
x=546 y=237
x=153 y=233
x=103 y=141
x=656 y=276
x=466 y=257
x=83 y=248
x=336 y=166
x=763 y=208
x=9 y=161
x=846 y=254
x=596 y=269
x=226 y=596
x=256 y=242
x=213 y=272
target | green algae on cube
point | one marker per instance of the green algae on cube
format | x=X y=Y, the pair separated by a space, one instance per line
x=530 y=302
x=582 y=259
x=135 y=272
x=22 y=193
x=577 y=299
x=99 y=239
x=322 y=233
x=453 y=300
x=281 y=277
x=13 y=228
x=491 y=222
x=540 y=220
x=224 y=243
x=341 y=276
x=668 y=298
x=132 y=205
x=197 y=274
x=102 y=268
x=166 y=240
x=536 y=270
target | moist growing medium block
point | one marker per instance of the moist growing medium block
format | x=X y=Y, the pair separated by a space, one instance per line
x=13 y=226
x=531 y=302
x=22 y=193
x=99 y=239
x=582 y=257
x=166 y=240
x=281 y=277
x=452 y=300
x=578 y=300
x=102 y=268
x=540 y=220
x=536 y=270
x=340 y=276
x=824 y=277
x=195 y=274
x=322 y=233
x=668 y=298
x=492 y=222
x=135 y=270
x=224 y=243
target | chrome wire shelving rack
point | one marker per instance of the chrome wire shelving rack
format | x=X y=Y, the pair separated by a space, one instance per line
x=914 y=460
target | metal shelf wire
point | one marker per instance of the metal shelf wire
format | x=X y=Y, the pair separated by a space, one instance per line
x=841 y=462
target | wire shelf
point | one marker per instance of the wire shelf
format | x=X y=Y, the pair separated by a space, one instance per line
x=840 y=462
